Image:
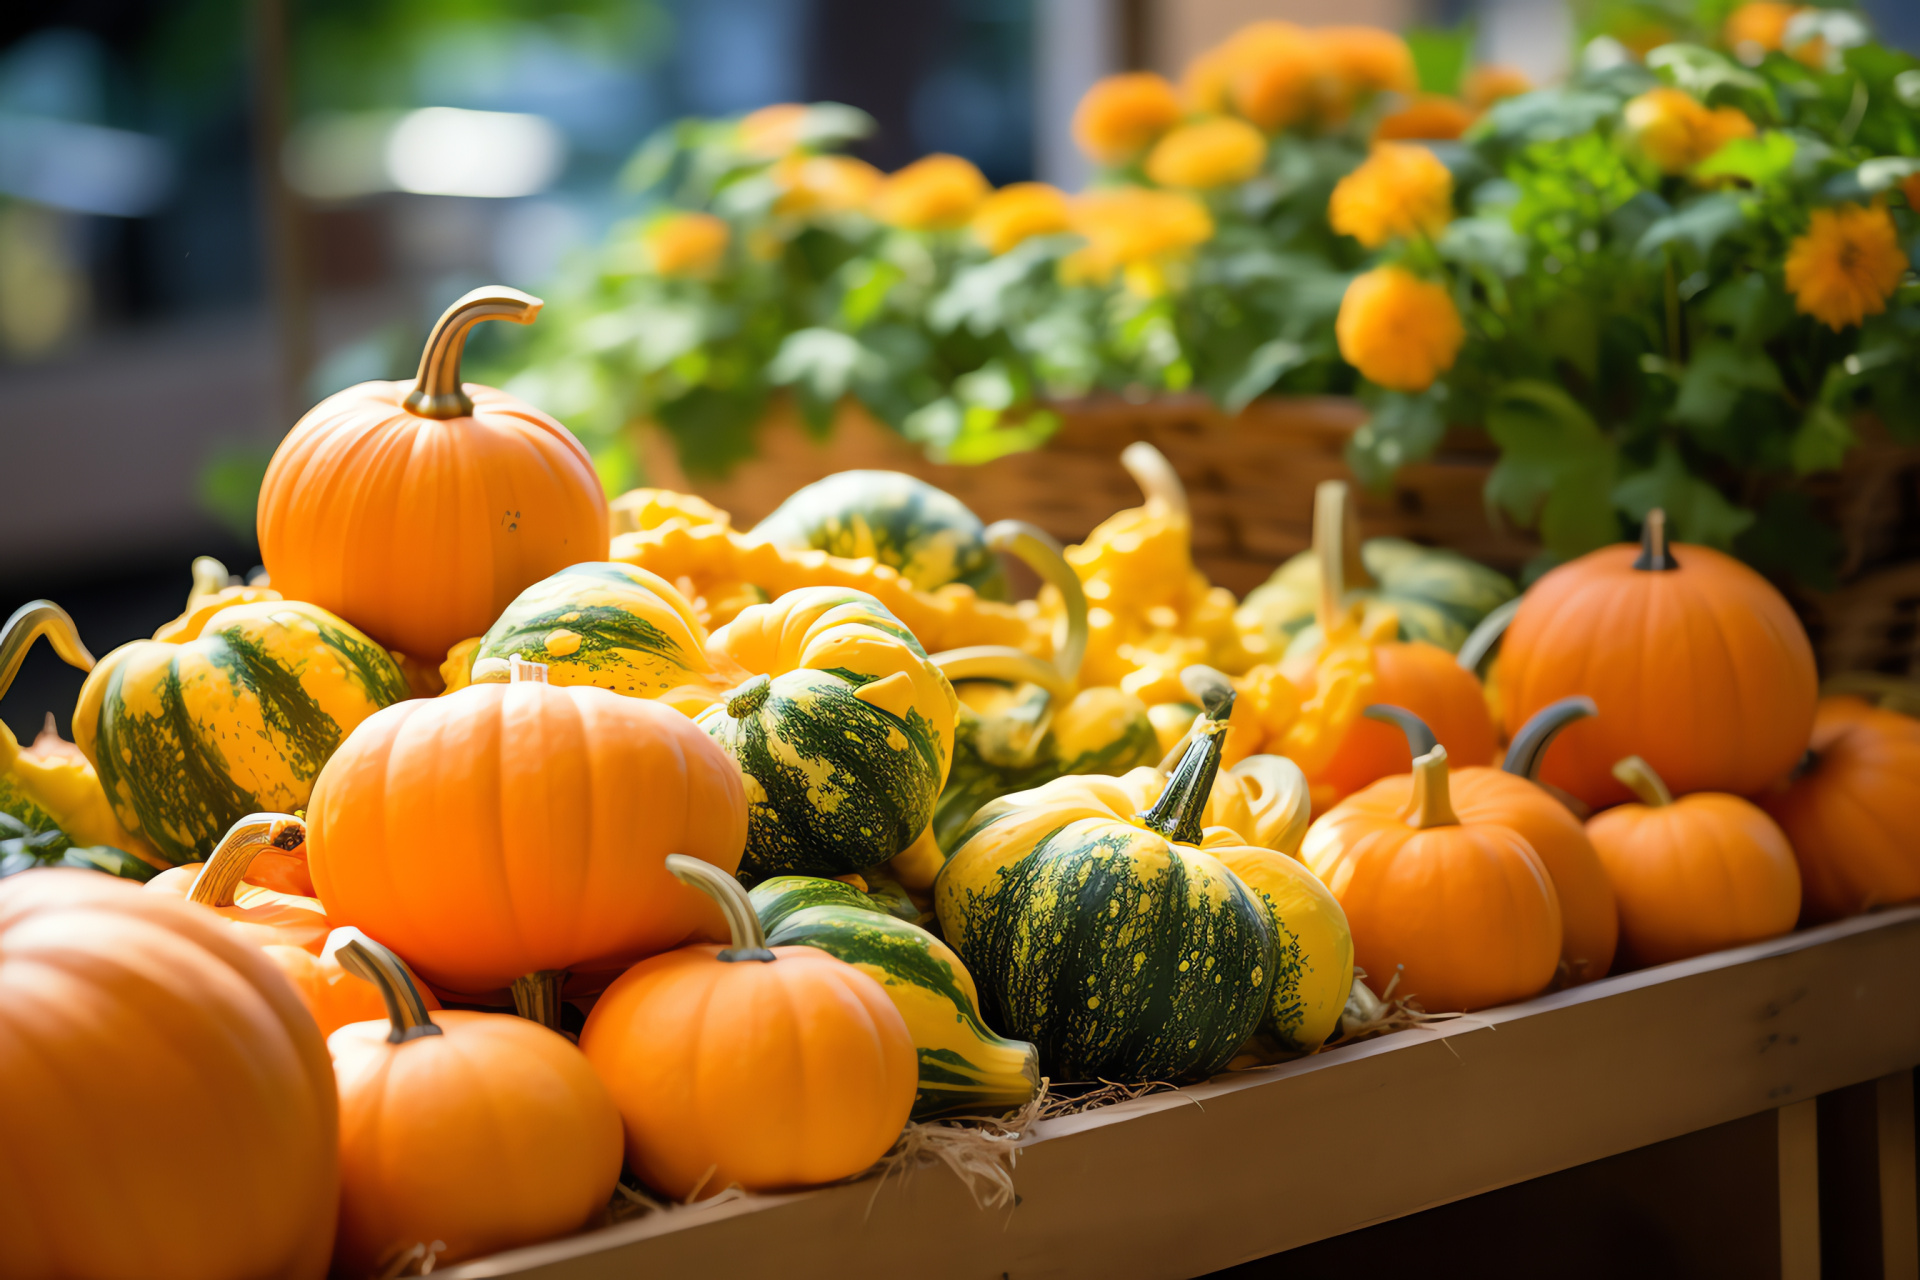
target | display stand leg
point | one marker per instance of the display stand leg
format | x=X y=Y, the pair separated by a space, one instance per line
x=1800 y=1190
x=1899 y=1212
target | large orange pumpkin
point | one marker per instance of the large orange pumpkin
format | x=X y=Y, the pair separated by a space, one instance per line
x=418 y=511
x=506 y=834
x=767 y=1068
x=1695 y=661
x=1693 y=875
x=1849 y=810
x=1463 y=911
x=169 y=1108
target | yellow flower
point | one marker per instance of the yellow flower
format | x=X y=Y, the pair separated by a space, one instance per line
x=1487 y=85
x=1676 y=132
x=1136 y=231
x=1121 y=115
x=1209 y=153
x=1398 y=330
x=1846 y=266
x=1401 y=189
x=1431 y=116
x=690 y=246
x=824 y=184
x=1363 y=60
x=771 y=132
x=934 y=193
x=1019 y=211
x=1273 y=73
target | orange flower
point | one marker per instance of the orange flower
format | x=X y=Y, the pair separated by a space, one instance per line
x=1398 y=330
x=1121 y=115
x=1846 y=266
x=1432 y=116
x=1273 y=72
x=1401 y=189
x=1368 y=58
x=771 y=132
x=934 y=193
x=690 y=246
x=1210 y=153
x=1676 y=132
x=1755 y=30
x=1487 y=85
x=1134 y=230
x=824 y=184
x=1018 y=212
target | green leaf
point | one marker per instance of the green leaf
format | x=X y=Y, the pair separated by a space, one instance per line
x=1821 y=442
x=1790 y=540
x=869 y=281
x=822 y=366
x=986 y=434
x=1401 y=429
x=1556 y=468
x=1441 y=56
x=1882 y=173
x=1546 y=115
x=1489 y=244
x=1714 y=379
x=1266 y=365
x=228 y=488
x=1701 y=71
x=1698 y=511
x=1750 y=307
x=1700 y=224
x=713 y=429
x=1759 y=160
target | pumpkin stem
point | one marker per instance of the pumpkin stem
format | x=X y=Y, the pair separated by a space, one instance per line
x=1040 y=552
x=1336 y=551
x=407 y=1015
x=1157 y=478
x=227 y=865
x=749 y=939
x=437 y=392
x=1432 y=804
x=1530 y=745
x=520 y=671
x=29 y=622
x=1177 y=813
x=536 y=997
x=749 y=697
x=1420 y=739
x=1640 y=779
x=1481 y=640
x=1654 y=555
x=996 y=662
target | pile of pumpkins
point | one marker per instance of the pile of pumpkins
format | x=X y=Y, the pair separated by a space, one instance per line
x=773 y=841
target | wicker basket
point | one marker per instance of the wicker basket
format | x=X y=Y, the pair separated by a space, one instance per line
x=1872 y=622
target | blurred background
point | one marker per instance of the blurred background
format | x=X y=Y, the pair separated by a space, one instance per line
x=215 y=212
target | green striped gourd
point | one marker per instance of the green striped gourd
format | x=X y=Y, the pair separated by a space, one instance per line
x=776 y=899
x=926 y=533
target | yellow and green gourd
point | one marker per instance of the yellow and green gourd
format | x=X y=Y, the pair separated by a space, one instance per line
x=899 y=520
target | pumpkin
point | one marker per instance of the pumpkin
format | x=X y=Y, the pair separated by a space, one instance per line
x=419 y=512
x=234 y=718
x=1510 y=797
x=899 y=520
x=334 y=994
x=964 y=1066
x=741 y=1064
x=1107 y=935
x=1848 y=810
x=1462 y=910
x=1697 y=874
x=1696 y=662
x=506 y=834
x=463 y=1132
x=101 y=984
x=843 y=730
x=267 y=917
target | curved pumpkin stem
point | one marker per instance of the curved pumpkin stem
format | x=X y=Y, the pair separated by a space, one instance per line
x=1640 y=779
x=407 y=1016
x=1529 y=747
x=749 y=939
x=1003 y=662
x=1432 y=804
x=1336 y=551
x=1655 y=557
x=227 y=865
x=1157 y=478
x=29 y=622
x=1177 y=813
x=1420 y=739
x=437 y=392
x=1481 y=640
x=1039 y=551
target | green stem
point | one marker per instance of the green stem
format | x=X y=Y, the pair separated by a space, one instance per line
x=1177 y=813
x=749 y=939
x=1655 y=557
x=1481 y=641
x=1530 y=745
x=1420 y=739
x=1041 y=553
x=407 y=1015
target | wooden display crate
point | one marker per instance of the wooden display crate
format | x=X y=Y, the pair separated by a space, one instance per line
x=1253 y=1163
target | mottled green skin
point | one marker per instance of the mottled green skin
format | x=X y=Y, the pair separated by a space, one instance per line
x=776 y=899
x=25 y=846
x=1118 y=966
x=621 y=647
x=926 y=533
x=834 y=785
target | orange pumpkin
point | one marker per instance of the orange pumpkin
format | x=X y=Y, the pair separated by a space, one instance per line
x=333 y=994
x=1693 y=875
x=169 y=1109
x=1694 y=660
x=742 y=1065
x=265 y=917
x=1508 y=796
x=419 y=511
x=506 y=834
x=474 y=1132
x=1462 y=910
x=1848 y=810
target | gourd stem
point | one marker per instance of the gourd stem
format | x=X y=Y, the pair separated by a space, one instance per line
x=1336 y=551
x=1481 y=640
x=749 y=939
x=1177 y=813
x=1156 y=478
x=536 y=997
x=227 y=865
x=29 y=622
x=210 y=578
x=1640 y=779
x=1002 y=662
x=1432 y=804
x=1420 y=739
x=520 y=671
x=1655 y=557
x=1041 y=553
x=407 y=1016
x=437 y=392
x=1530 y=745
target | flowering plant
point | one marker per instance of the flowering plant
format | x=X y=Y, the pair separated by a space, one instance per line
x=1683 y=281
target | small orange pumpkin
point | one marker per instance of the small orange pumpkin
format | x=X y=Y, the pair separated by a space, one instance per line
x=474 y=1132
x=1848 y=810
x=265 y=917
x=1697 y=874
x=1462 y=910
x=742 y=1065
x=333 y=994
x=418 y=512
